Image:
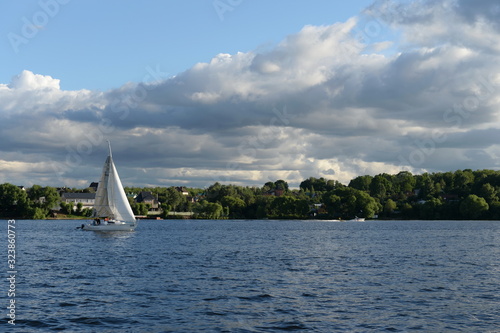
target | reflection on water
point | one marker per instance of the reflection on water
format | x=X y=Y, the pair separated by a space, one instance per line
x=113 y=234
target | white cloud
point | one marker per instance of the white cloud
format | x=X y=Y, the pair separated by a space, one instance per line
x=29 y=81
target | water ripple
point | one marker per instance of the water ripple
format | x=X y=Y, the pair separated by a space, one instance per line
x=259 y=276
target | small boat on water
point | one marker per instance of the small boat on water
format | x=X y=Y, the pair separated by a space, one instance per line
x=112 y=211
x=357 y=219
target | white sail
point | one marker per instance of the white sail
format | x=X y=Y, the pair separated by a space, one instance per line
x=111 y=201
x=120 y=205
x=101 y=205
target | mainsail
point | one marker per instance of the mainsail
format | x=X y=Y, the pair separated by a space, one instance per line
x=110 y=200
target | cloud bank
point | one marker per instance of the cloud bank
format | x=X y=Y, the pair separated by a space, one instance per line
x=331 y=101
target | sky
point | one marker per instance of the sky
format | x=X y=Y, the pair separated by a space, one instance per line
x=244 y=92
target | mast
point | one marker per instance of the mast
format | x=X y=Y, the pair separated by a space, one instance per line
x=109 y=145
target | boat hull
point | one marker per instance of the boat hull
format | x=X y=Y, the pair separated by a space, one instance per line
x=116 y=226
x=357 y=219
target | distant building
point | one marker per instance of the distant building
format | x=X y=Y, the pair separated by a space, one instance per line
x=182 y=190
x=275 y=193
x=61 y=190
x=148 y=198
x=86 y=199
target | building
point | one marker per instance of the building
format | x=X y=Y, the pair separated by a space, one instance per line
x=182 y=190
x=275 y=193
x=94 y=186
x=86 y=199
x=148 y=198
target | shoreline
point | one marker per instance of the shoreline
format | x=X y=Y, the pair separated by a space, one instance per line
x=265 y=219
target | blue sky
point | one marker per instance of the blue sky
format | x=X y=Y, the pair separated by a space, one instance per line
x=245 y=92
x=103 y=44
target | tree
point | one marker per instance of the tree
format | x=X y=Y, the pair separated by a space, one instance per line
x=213 y=192
x=426 y=185
x=407 y=211
x=494 y=210
x=41 y=201
x=333 y=184
x=281 y=185
x=288 y=207
x=319 y=184
x=66 y=208
x=366 y=205
x=431 y=209
x=463 y=180
x=43 y=197
x=449 y=180
x=165 y=208
x=87 y=212
x=488 y=192
x=208 y=210
x=13 y=201
x=236 y=206
x=139 y=208
x=405 y=181
x=380 y=187
x=174 y=198
x=389 y=207
x=79 y=208
x=473 y=207
x=348 y=202
x=38 y=213
x=261 y=207
x=361 y=183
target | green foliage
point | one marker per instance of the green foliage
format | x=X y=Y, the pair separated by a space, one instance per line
x=431 y=209
x=473 y=207
x=38 y=213
x=236 y=207
x=87 y=212
x=287 y=207
x=389 y=207
x=165 y=210
x=260 y=208
x=404 y=182
x=139 y=208
x=66 y=208
x=380 y=187
x=463 y=194
x=319 y=184
x=361 y=183
x=281 y=185
x=348 y=202
x=208 y=210
x=43 y=197
x=13 y=202
x=489 y=193
x=79 y=208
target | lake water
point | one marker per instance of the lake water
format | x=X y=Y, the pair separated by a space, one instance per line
x=257 y=276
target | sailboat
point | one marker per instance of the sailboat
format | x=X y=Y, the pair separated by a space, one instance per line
x=112 y=211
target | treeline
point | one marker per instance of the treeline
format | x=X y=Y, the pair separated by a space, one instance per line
x=36 y=202
x=463 y=194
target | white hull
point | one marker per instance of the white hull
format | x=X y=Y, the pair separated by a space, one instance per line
x=116 y=226
x=357 y=219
